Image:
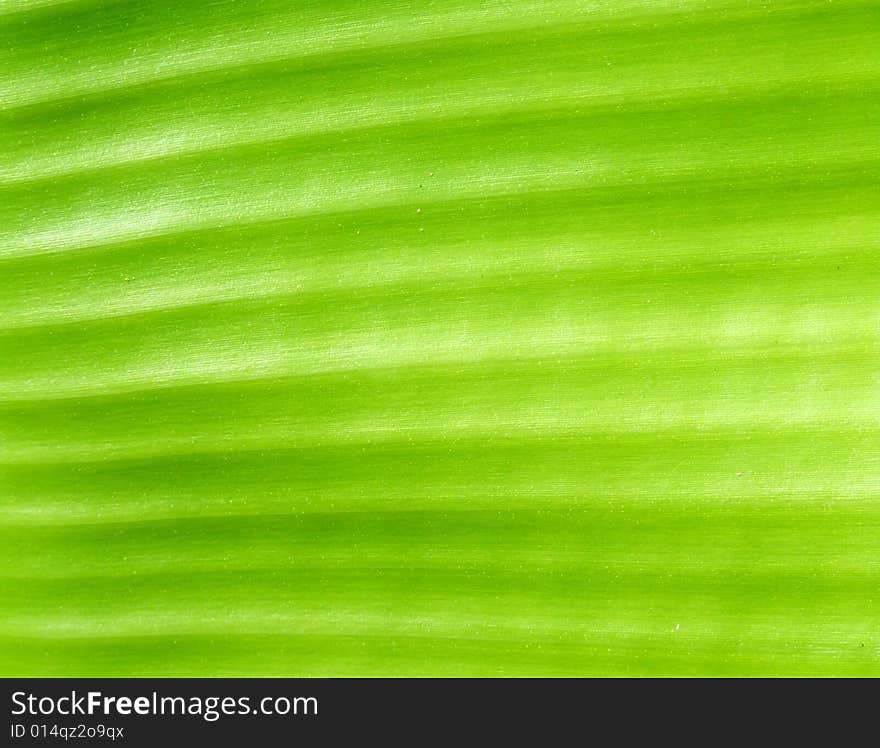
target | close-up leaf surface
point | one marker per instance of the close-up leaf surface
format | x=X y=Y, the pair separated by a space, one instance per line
x=439 y=338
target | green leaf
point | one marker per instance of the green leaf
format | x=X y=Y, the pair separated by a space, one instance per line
x=439 y=338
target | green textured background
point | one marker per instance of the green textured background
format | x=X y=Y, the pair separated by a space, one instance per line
x=439 y=338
